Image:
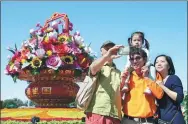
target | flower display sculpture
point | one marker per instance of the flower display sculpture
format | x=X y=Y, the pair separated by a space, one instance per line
x=50 y=48
x=51 y=55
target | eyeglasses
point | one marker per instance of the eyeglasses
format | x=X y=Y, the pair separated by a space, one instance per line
x=136 y=58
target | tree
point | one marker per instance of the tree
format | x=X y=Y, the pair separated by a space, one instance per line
x=185 y=105
x=31 y=103
x=1 y=104
x=12 y=103
x=18 y=102
x=9 y=103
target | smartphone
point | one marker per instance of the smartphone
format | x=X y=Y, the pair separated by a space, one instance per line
x=124 y=50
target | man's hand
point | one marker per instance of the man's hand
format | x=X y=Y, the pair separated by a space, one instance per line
x=112 y=52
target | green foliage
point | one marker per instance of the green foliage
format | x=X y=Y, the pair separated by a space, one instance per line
x=77 y=73
x=43 y=122
x=12 y=103
x=14 y=77
x=9 y=103
x=31 y=103
x=35 y=71
x=185 y=104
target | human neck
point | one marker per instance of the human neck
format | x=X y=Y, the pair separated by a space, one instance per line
x=138 y=72
x=164 y=75
x=108 y=62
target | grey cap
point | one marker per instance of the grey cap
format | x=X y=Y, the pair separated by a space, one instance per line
x=108 y=42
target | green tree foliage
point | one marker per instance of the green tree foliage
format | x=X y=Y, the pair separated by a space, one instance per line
x=12 y=103
x=185 y=105
x=31 y=103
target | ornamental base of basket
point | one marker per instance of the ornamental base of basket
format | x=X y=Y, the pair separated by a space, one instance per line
x=52 y=94
x=50 y=91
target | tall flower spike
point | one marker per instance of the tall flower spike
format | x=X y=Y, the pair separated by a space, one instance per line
x=77 y=33
x=32 y=32
x=16 y=48
x=11 y=50
x=38 y=25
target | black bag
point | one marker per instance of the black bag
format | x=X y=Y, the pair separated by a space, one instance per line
x=160 y=121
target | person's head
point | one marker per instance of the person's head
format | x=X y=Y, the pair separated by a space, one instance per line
x=138 y=58
x=138 y=40
x=164 y=65
x=106 y=46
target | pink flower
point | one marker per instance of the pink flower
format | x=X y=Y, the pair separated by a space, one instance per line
x=53 y=62
x=10 y=69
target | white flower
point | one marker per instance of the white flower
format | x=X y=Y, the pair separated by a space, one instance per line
x=87 y=49
x=9 y=57
x=8 y=48
x=40 y=53
x=78 y=40
x=55 y=24
x=30 y=55
x=32 y=31
x=6 y=72
x=25 y=64
x=52 y=35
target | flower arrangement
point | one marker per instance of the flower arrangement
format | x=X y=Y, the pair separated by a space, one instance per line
x=51 y=47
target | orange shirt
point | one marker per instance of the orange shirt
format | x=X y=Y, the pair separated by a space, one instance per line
x=137 y=104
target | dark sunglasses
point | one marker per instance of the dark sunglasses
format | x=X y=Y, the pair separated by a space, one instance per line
x=136 y=58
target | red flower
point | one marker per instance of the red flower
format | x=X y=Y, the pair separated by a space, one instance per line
x=24 y=53
x=61 y=49
x=16 y=55
x=83 y=60
x=48 y=46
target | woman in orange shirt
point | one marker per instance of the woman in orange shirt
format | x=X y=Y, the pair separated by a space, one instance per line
x=139 y=107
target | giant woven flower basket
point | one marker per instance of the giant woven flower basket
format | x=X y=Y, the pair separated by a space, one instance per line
x=51 y=60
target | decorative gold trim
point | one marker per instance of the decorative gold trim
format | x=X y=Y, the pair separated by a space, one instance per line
x=46 y=90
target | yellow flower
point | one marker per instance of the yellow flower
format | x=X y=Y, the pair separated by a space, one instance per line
x=23 y=61
x=12 y=66
x=49 y=52
x=46 y=39
x=68 y=59
x=62 y=38
x=36 y=63
x=49 y=30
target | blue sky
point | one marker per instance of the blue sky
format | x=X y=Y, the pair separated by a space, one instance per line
x=164 y=25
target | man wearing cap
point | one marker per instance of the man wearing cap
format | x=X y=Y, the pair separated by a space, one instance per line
x=105 y=106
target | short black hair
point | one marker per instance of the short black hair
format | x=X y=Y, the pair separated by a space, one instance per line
x=139 y=51
x=171 y=70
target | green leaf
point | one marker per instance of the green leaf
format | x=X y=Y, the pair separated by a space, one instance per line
x=77 y=72
x=12 y=51
x=14 y=78
x=35 y=71
x=16 y=47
